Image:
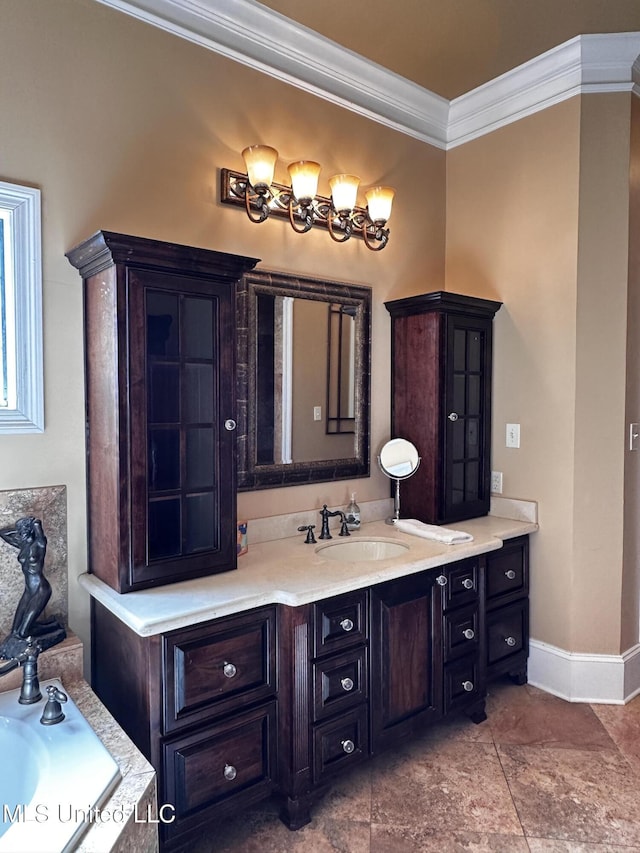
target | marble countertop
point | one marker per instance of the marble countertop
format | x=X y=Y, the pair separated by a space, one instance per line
x=288 y=571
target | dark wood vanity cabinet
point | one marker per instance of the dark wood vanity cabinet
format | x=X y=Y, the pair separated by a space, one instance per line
x=160 y=392
x=200 y=703
x=507 y=610
x=281 y=700
x=441 y=401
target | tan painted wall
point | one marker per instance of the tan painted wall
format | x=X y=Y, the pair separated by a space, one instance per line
x=631 y=576
x=537 y=216
x=512 y=235
x=124 y=127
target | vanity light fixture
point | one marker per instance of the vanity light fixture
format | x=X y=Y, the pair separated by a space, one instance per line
x=261 y=197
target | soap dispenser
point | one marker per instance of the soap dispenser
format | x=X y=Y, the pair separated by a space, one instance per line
x=353 y=514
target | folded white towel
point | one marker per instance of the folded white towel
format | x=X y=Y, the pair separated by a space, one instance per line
x=432 y=531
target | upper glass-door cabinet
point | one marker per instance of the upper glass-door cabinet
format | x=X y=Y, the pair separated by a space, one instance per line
x=441 y=401
x=160 y=389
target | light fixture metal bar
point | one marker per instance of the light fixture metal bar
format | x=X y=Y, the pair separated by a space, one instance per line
x=232 y=191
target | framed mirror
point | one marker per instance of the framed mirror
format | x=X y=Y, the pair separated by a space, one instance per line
x=304 y=371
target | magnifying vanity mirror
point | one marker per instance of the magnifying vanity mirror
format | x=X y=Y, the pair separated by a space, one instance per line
x=398 y=460
x=303 y=380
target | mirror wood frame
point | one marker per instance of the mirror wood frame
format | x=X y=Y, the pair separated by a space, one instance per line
x=251 y=475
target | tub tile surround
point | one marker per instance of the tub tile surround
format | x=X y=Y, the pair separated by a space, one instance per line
x=134 y=799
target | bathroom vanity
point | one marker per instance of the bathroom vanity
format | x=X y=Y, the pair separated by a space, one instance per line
x=275 y=679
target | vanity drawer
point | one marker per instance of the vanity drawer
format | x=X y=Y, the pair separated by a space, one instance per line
x=225 y=766
x=507 y=575
x=339 y=682
x=461 y=632
x=461 y=585
x=461 y=683
x=340 y=743
x=212 y=666
x=340 y=622
x=507 y=631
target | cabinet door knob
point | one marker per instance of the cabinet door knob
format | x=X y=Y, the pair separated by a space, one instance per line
x=348 y=746
x=469 y=633
x=453 y=416
x=347 y=683
x=347 y=625
x=467 y=686
x=510 y=641
x=510 y=574
x=229 y=670
x=230 y=424
x=230 y=772
x=467 y=583
x=441 y=580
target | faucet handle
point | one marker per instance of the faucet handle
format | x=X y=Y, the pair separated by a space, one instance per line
x=344 y=529
x=311 y=539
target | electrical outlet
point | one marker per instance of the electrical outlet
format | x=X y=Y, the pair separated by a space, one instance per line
x=496 y=482
x=513 y=435
x=317 y=413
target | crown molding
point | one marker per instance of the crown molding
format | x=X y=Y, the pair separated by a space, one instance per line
x=584 y=64
x=249 y=33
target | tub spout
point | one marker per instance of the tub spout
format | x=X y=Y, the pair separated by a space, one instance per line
x=28 y=660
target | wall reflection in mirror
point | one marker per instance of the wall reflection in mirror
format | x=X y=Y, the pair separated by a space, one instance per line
x=304 y=369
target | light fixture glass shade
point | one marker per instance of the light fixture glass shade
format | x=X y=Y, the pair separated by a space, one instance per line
x=379 y=201
x=304 y=179
x=344 y=191
x=260 y=161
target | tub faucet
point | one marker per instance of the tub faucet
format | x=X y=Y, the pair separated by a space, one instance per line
x=28 y=660
x=326 y=514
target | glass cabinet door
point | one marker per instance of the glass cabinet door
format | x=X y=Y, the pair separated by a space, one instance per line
x=466 y=481
x=182 y=453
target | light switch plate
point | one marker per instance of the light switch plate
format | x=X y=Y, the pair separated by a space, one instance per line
x=513 y=435
x=634 y=436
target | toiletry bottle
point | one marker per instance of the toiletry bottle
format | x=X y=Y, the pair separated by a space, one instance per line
x=353 y=514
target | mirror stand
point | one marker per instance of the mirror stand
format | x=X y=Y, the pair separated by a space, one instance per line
x=398 y=460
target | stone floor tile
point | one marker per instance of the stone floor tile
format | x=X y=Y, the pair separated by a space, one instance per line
x=447 y=786
x=573 y=795
x=546 y=845
x=400 y=839
x=623 y=725
x=525 y=715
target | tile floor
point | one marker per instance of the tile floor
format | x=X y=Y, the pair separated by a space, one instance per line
x=539 y=776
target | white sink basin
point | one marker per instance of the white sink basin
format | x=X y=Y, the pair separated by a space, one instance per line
x=357 y=550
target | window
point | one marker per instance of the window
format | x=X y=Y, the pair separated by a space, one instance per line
x=21 y=383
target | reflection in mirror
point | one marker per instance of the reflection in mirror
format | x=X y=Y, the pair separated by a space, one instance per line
x=398 y=460
x=303 y=380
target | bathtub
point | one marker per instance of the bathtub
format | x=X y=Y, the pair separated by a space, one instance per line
x=53 y=779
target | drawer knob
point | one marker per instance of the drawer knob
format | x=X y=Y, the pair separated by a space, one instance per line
x=229 y=670
x=347 y=683
x=230 y=772
x=469 y=633
x=510 y=641
x=453 y=416
x=510 y=574
x=467 y=583
x=348 y=746
x=467 y=686
x=441 y=580
x=347 y=625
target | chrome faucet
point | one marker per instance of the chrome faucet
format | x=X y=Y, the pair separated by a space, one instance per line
x=325 y=515
x=28 y=660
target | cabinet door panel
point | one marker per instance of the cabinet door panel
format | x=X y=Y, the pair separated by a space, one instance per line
x=406 y=656
x=181 y=362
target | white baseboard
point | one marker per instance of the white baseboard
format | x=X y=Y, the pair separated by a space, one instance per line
x=577 y=677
